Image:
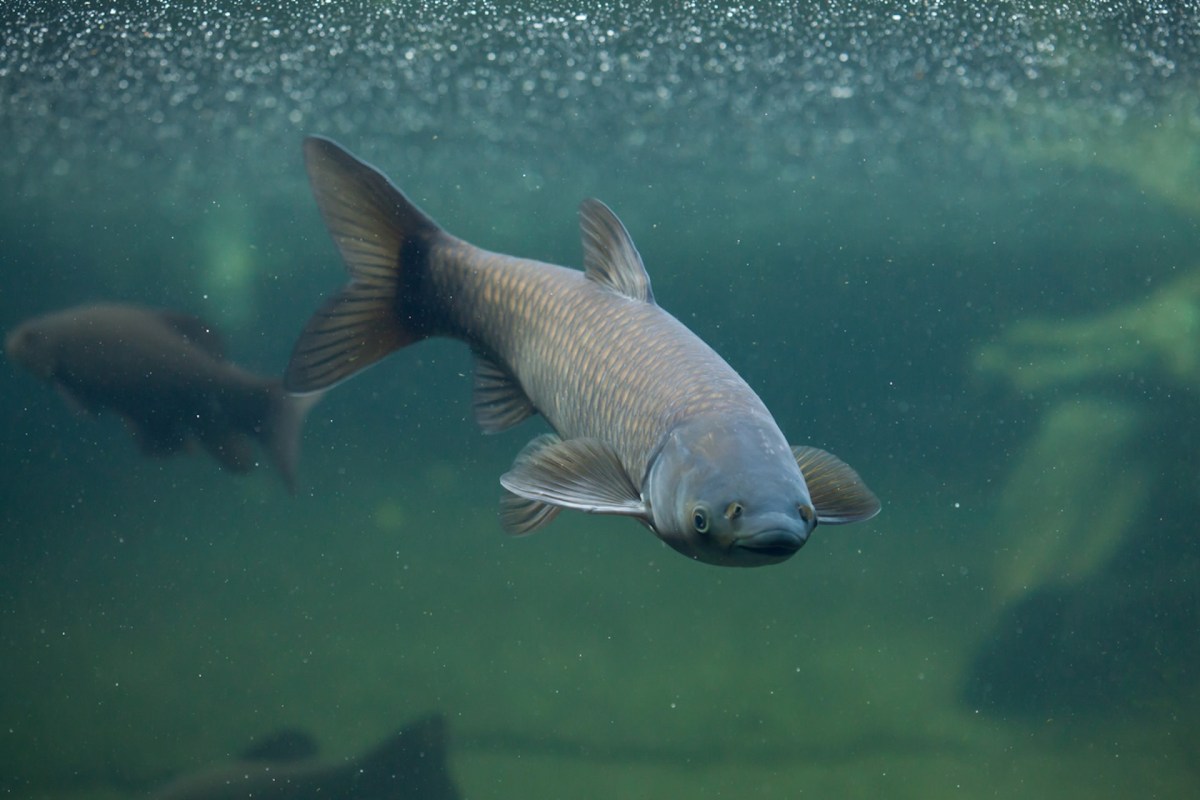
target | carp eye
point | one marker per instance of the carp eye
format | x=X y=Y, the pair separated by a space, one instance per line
x=806 y=513
x=700 y=520
x=733 y=510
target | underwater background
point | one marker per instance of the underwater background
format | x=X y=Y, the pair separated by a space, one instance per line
x=954 y=243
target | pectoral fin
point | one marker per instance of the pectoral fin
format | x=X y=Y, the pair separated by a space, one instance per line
x=837 y=492
x=156 y=436
x=74 y=402
x=551 y=473
x=520 y=516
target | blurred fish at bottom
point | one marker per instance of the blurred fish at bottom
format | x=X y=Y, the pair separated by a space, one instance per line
x=165 y=373
x=410 y=764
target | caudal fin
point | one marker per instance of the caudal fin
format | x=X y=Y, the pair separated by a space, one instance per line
x=384 y=240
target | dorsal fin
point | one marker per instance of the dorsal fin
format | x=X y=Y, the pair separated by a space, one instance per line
x=195 y=330
x=609 y=257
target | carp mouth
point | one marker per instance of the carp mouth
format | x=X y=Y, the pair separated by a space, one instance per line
x=776 y=543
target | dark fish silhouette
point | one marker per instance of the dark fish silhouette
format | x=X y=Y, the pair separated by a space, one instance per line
x=649 y=421
x=409 y=765
x=165 y=373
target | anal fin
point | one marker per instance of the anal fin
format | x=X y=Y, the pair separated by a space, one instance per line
x=233 y=450
x=498 y=400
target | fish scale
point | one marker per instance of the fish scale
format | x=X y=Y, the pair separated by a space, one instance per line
x=557 y=332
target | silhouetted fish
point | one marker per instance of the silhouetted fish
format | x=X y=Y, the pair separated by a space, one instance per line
x=409 y=765
x=165 y=373
x=649 y=421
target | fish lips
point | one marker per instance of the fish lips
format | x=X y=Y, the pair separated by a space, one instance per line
x=774 y=544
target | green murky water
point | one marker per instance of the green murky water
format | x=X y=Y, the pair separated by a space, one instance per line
x=952 y=242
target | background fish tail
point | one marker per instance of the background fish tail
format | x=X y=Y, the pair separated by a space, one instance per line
x=385 y=242
x=283 y=426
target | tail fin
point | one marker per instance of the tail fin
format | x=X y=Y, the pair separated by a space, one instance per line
x=384 y=240
x=410 y=763
x=281 y=432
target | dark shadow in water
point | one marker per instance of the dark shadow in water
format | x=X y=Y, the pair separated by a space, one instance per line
x=871 y=745
x=876 y=745
x=1122 y=641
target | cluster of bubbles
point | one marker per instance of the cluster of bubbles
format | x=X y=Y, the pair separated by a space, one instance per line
x=189 y=83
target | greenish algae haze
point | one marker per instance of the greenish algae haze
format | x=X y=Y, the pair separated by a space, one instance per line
x=854 y=206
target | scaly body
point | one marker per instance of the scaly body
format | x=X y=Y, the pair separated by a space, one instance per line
x=649 y=421
x=595 y=363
